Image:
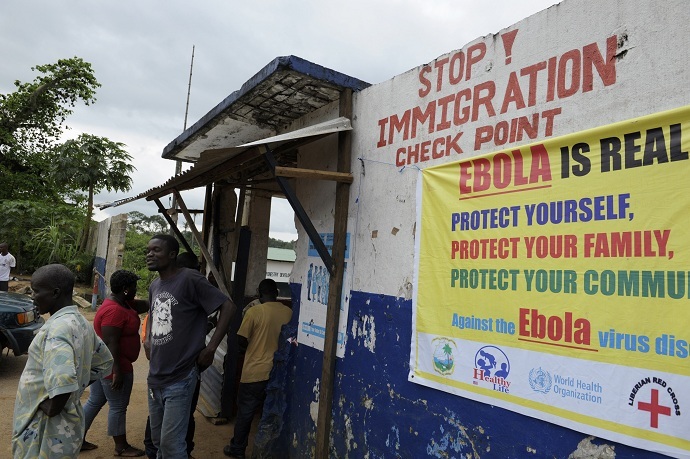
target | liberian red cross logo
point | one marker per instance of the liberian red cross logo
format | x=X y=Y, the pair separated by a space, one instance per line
x=654 y=409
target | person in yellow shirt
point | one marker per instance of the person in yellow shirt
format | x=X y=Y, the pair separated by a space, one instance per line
x=258 y=335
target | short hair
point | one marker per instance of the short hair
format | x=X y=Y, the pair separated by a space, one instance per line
x=188 y=260
x=121 y=279
x=56 y=275
x=268 y=287
x=170 y=242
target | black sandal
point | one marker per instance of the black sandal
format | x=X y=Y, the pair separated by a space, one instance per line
x=88 y=446
x=129 y=451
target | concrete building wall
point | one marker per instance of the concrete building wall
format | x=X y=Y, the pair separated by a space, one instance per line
x=577 y=65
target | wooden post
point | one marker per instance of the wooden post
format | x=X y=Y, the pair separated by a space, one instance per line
x=342 y=203
x=202 y=246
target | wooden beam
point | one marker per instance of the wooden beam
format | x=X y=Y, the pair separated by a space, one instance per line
x=202 y=246
x=172 y=224
x=300 y=213
x=335 y=286
x=295 y=172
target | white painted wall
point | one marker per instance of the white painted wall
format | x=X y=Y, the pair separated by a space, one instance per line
x=652 y=49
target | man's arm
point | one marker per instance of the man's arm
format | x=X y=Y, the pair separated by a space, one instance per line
x=242 y=344
x=53 y=406
x=141 y=306
x=227 y=311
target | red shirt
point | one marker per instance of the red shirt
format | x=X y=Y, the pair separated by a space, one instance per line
x=112 y=314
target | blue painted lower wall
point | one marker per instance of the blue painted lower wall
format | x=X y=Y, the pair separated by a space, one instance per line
x=377 y=413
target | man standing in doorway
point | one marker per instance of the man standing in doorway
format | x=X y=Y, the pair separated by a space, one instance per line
x=7 y=262
x=258 y=335
x=181 y=300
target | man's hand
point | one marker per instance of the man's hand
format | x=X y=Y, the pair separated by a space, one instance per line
x=205 y=358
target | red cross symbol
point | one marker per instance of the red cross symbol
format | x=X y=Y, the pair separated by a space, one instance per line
x=654 y=408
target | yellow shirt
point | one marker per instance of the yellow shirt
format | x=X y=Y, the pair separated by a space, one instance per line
x=261 y=326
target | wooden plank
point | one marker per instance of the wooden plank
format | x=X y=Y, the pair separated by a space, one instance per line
x=296 y=172
x=172 y=224
x=300 y=213
x=342 y=203
x=202 y=246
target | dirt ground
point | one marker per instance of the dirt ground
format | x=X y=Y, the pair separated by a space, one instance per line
x=209 y=438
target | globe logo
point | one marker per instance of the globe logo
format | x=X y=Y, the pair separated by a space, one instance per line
x=540 y=380
x=444 y=358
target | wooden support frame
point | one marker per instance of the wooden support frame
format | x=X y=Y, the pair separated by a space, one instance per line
x=295 y=172
x=301 y=214
x=342 y=203
x=200 y=241
x=172 y=224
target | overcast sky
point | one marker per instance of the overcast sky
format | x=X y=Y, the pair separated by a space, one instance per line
x=141 y=52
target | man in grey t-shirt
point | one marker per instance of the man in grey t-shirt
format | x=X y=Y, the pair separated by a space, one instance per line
x=181 y=300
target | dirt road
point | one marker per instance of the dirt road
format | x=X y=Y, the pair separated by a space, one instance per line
x=209 y=438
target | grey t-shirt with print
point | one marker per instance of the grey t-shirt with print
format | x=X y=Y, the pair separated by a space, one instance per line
x=178 y=314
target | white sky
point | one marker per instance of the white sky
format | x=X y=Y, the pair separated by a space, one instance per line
x=141 y=52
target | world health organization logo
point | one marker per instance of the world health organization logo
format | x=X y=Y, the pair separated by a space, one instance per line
x=444 y=359
x=540 y=380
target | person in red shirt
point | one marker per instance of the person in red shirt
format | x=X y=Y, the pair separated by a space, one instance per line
x=117 y=323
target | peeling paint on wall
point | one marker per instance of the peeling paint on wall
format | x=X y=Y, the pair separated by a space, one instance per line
x=405 y=290
x=314 y=406
x=588 y=450
x=350 y=444
x=394 y=442
x=364 y=332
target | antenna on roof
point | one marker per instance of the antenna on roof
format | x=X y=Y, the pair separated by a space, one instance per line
x=189 y=90
x=178 y=163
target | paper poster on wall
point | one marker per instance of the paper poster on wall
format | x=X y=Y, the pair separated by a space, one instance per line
x=553 y=280
x=314 y=299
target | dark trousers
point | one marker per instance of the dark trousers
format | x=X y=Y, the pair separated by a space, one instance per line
x=250 y=398
x=4 y=286
x=151 y=451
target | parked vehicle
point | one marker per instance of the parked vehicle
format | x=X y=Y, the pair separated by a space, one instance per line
x=19 y=322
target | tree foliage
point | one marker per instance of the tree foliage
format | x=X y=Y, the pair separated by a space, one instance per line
x=90 y=163
x=145 y=224
x=277 y=243
x=32 y=119
x=28 y=226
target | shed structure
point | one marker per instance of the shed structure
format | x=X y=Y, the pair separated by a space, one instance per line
x=307 y=133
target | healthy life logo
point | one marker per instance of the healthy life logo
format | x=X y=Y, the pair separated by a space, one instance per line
x=444 y=355
x=492 y=367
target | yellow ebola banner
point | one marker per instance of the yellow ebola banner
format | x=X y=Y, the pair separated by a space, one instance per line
x=553 y=280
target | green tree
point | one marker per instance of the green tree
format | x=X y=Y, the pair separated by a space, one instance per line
x=90 y=163
x=278 y=244
x=32 y=119
x=27 y=224
x=145 y=224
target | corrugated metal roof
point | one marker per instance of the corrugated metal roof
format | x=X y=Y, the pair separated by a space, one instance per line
x=277 y=254
x=242 y=165
x=286 y=89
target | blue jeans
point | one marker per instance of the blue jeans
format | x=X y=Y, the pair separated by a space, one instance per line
x=169 y=413
x=151 y=451
x=118 y=400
